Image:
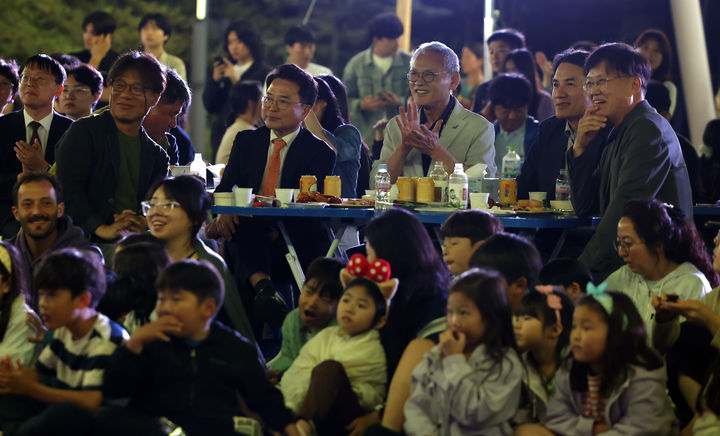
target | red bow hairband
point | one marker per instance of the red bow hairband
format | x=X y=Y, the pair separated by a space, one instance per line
x=377 y=271
x=553 y=300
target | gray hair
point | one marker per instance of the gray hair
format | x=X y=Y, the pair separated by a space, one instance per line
x=450 y=59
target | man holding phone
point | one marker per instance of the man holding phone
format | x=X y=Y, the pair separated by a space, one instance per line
x=376 y=77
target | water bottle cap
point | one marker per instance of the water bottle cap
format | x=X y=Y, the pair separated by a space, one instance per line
x=382 y=166
x=511 y=149
x=198 y=156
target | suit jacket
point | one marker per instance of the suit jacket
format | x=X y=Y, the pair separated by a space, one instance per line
x=246 y=166
x=546 y=157
x=642 y=159
x=469 y=138
x=87 y=166
x=12 y=129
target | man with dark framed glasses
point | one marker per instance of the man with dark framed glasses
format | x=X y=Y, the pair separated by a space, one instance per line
x=642 y=158
x=107 y=162
x=436 y=127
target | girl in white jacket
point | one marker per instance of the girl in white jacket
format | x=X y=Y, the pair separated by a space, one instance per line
x=469 y=384
x=340 y=373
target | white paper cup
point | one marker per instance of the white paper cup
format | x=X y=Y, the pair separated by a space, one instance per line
x=224 y=199
x=243 y=196
x=539 y=196
x=370 y=193
x=285 y=195
x=479 y=200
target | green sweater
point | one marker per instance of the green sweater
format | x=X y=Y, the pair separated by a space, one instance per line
x=294 y=336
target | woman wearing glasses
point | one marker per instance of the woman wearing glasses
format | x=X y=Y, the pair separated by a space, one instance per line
x=663 y=254
x=176 y=209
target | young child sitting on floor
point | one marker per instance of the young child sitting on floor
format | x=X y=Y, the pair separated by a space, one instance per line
x=515 y=258
x=470 y=382
x=186 y=367
x=542 y=332
x=462 y=233
x=78 y=343
x=316 y=310
x=569 y=273
x=340 y=373
x=613 y=382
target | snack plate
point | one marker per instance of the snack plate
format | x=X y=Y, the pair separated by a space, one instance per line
x=499 y=212
x=311 y=205
x=437 y=209
x=538 y=214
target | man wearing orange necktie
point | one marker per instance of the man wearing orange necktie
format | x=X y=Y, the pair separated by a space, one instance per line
x=273 y=156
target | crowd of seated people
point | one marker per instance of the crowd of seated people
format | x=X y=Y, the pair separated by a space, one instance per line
x=125 y=308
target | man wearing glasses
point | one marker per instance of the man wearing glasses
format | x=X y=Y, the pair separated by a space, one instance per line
x=642 y=158
x=106 y=163
x=269 y=157
x=436 y=127
x=29 y=135
x=83 y=88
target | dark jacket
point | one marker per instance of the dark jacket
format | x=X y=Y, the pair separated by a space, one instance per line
x=69 y=235
x=196 y=388
x=245 y=168
x=547 y=157
x=642 y=159
x=216 y=101
x=12 y=129
x=87 y=166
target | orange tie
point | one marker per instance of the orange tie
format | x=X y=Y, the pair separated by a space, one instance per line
x=273 y=169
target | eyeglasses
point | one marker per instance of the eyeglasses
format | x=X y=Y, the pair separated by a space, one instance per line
x=427 y=76
x=78 y=90
x=37 y=80
x=600 y=83
x=282 y=103
x=618 y=244
x=119 y=86
x=166 y=207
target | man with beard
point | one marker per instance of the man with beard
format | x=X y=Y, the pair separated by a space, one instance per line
x=107 y=163
x=38 y=207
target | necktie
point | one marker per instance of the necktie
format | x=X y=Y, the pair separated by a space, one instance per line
x=272 y=174
x=34 y=125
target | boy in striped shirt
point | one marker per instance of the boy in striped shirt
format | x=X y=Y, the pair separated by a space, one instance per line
x=65 y=385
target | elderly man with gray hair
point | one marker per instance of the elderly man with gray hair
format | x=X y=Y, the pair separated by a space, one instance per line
x=436 y=127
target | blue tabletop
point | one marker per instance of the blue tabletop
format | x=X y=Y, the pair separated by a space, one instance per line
x=543 y=221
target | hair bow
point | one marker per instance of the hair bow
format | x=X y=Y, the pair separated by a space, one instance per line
x=602 y=297
x=5 y=259
x=378 y=271
x=553 y=301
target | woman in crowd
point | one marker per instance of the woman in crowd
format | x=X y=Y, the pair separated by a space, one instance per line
x=401 y=239
x=521 y=61
x=176 y=209
x=471 y=62
x=338 y=88
x=326 y=123
x=662 y=253
x=690 y=345
x=14 y=313
x=245 y=105
x=655 y=46
x=710 y=165
x=243 y=60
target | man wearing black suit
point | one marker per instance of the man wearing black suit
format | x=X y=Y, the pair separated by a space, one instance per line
x=29 y=136
x=276 y=155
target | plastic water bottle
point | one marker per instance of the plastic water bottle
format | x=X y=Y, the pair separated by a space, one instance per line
x=382 y=188
x=197 y=167
x=440 y=179
x=511 y=164
x=458 y=195
x=562 y=186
